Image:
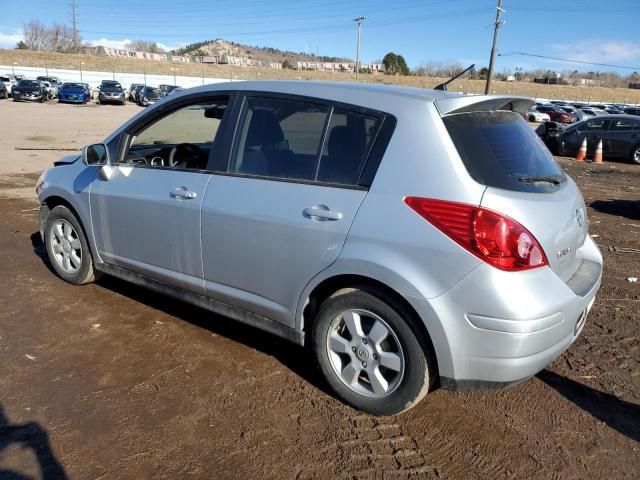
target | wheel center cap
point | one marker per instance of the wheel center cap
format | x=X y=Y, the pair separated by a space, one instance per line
x=362 y=353
x=66 y=246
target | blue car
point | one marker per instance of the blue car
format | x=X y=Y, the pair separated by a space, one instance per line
x=73 y=93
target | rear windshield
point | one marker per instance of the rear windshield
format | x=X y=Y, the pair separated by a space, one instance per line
x=500 y=150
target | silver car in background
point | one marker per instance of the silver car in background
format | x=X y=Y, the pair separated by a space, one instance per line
x=412 y=238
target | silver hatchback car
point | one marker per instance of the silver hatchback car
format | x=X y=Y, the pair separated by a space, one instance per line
x=412 y=238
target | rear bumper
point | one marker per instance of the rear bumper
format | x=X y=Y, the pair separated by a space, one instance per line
x=500 y=328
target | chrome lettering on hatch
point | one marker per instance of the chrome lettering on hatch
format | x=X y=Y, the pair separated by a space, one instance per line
x=563 y=252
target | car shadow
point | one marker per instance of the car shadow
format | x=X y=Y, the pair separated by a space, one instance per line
x=622 y=208
x=617 y=414
x=298 y=359
x=29 y=436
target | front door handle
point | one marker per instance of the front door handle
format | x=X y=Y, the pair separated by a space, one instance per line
x=183 y=192
x=321 y=213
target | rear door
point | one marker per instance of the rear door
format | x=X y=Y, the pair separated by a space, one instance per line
x=593 y=130
x=281 y=211
x=623 y=135
x=523 y=182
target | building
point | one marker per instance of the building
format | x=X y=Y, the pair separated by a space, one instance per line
x=121 y=53
x=339 y=66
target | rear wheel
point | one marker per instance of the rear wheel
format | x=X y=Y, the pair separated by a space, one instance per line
x=67 y=247
x=369 y=354
x=635 y=155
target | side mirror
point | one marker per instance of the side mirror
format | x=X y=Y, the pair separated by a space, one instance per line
x=96 y=154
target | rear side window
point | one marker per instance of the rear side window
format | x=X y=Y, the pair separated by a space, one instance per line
x=297 y=140
x=500 y=150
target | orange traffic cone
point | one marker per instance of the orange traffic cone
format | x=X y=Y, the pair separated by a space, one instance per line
x=597 y=158
x=582 y=153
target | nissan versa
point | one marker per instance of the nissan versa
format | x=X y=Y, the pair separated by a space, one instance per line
x=411 y=238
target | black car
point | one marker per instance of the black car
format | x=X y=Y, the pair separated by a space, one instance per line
x=148 y=95
x=620 y=135
x=111 y=91
x=632 y=111
x=136 y=92
x=3 y=91
x=29 y=90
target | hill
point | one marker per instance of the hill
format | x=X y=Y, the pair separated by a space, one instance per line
x=220 y=47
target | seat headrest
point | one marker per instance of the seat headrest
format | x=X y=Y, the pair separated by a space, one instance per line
x=264 y=129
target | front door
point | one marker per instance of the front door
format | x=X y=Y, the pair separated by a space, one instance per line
x=146 y=214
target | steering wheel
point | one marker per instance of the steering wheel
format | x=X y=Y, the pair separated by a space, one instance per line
x=186 y=153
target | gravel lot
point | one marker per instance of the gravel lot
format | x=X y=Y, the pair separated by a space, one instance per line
x=110 y=381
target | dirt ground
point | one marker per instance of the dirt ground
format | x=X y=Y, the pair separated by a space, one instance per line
x=110 y=381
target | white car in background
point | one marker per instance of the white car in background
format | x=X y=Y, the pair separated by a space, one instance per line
x=533 y=115
x=9 y=81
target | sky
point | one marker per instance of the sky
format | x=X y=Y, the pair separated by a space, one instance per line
x=420 y=30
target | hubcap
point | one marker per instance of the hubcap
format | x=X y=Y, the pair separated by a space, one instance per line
x=365 y=353
x=636 y=155
x=66 y=246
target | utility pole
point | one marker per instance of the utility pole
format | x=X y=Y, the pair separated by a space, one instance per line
x=359 y=20
x=74 y=25
x=496 y=27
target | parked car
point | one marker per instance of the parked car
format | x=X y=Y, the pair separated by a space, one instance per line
x=111 y=92
x=4 y=93
x=132 y=90
x=30 y=90
x=593 y=112
x=73 y=92
x=166 y=89
x=53 y=84
x=9 y=81
x=136 y=92
x=309 y=210
x=579 y=114
x=87 y=90
x=632 y=110
x=50 y=90
x=556 y=114
x=620 y=135
x=534 y=115
x=148 y=96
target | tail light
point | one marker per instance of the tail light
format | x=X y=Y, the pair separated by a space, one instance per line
x=497 y=239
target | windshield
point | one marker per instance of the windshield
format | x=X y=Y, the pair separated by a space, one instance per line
x=29 y=83
x=500 y=150
x=110 y=85
x=72 y=85
x=4 y=79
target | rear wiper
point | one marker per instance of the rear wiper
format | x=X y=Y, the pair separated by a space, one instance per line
x=552 y=180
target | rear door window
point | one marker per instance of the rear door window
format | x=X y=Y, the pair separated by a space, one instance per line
x=294 y=139
x=500 y=150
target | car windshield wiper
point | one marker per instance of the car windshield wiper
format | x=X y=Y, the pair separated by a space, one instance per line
x=553 y=180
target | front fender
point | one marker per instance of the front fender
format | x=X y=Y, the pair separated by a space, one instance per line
x=71 y=183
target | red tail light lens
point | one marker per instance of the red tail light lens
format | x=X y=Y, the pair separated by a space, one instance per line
x=497 y=239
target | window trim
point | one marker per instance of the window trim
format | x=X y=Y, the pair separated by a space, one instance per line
x=369 y=165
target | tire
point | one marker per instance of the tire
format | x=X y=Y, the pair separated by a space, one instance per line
x=532 y=118
x=634 y=157
x=411 y=371
x=60 y=226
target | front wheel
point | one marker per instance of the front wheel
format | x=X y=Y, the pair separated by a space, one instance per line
x=369 y=354
x=67 y=247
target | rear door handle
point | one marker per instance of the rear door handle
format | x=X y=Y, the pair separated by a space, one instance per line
x=183 y=192
x=321 y=213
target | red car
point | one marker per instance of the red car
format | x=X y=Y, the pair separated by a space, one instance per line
x=557 y=114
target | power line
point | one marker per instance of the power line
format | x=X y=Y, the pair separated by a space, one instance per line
x=508 y=54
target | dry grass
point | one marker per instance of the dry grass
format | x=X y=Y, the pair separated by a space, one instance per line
x=106 y=64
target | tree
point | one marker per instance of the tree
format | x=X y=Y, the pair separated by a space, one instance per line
x=395 y=64
x=35 y=35
x=21 y=46
x=144 y=46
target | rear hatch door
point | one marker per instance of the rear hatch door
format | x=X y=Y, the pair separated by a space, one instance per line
x=501 y=151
